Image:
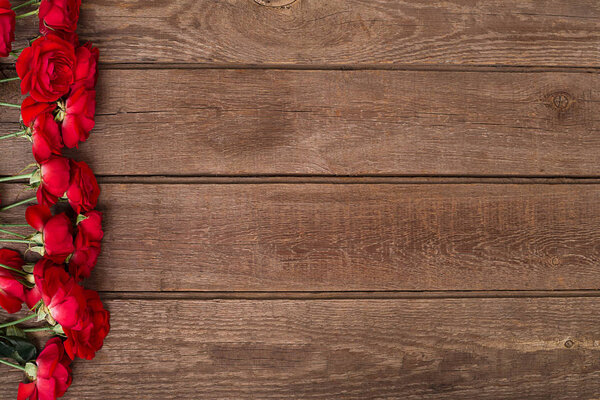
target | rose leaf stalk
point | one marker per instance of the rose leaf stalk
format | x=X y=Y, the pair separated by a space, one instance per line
x=18 y=203
x=10 y=105
x=18 y=321
x=23 y=273
x=30 y=2
x=28 y=14
x=16 y=78
x=12 y=365
x=15 y=134
x=13 y=233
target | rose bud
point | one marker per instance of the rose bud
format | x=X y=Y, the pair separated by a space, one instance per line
x=64 y=300
x=50 y=376
x=77 y=116
x=7 y=28
x=57 y=232
x=46 y=68
x=59 y=16
x=87 y=245
x=86 y=66
x=85 y=342
x=54 y=176
x=83 y=190
x=12 y=292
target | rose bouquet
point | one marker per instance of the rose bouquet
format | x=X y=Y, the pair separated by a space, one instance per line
x=58 y=74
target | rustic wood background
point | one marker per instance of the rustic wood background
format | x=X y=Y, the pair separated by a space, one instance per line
x=353 y=199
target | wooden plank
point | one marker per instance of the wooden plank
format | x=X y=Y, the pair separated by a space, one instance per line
x=359 y=349
x=232 y=122
x=383 y=33
x=337 y=237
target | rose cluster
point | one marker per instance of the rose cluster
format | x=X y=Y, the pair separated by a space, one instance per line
x=58 y=74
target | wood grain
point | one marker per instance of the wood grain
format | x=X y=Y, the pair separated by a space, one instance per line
x=247 y=122
x=359 y=349
x=382 y=33
x=336 y=237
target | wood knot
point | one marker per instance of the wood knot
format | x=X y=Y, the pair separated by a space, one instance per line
x=560 y=101
x=569 y=343
x=275 y=3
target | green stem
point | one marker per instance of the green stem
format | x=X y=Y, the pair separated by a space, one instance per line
x=24 y=4
x=12 y=365
x=42 y=329
x=16 y=134
x=13 y=233
x=18 y=203
x=10 y=105
x=14 y=225
x=34 y=12
x=16 y=78
x=14 y=241
x=15 y=178
x=13 y=269
x=27 y=318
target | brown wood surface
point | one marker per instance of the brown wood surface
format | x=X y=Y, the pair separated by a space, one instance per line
x=335 y=237
x=228 y=122
x=382 y=33
x=344 y=349
x=354 y=199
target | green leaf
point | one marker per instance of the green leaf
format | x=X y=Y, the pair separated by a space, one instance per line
x=17 y=348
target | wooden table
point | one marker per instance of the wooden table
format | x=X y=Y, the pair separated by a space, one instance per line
x=343 y=199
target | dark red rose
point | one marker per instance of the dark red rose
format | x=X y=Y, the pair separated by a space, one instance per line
x=46 y=68
x=79 y=116
x=85 y=342
x=86 y=66
x=63 y=298
x=57 y=232
x=83 y=190
x=30 y=109
x=59 y=16
x=7 y=28
x=55 y=174
x=12 y=293
x=53 y=376
x=87 y=245
x=46 y=138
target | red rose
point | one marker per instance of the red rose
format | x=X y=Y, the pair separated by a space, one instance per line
x=83 y=190
x=63 y=298
x=45 y=137
x=55 y=176
x=87 y=246
x=79 y=116
x=12 y=292
x=53 y=376
x=46 y=68
x=85 y=342
x=7 y=28
x=57 y=232
x=59 y=16
x=30 y=109
x=33 y=295
x=86 y=66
